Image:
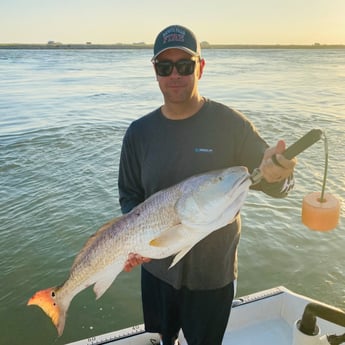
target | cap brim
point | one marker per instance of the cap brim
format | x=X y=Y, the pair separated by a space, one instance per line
x=189 y=51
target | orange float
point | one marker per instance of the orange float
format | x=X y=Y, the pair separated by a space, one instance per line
x=321 y=211
x=320 y=214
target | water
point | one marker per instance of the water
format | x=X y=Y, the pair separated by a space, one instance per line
x=63 y=115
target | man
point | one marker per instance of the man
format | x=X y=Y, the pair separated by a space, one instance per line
x=190 y=134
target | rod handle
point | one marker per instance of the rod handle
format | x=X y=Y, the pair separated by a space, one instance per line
x=302 y=144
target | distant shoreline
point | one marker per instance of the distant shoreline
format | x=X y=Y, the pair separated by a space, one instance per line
x=149 y=46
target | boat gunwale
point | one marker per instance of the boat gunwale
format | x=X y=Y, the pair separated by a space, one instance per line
x=139 y=330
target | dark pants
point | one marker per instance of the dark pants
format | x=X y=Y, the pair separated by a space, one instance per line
x=202 y=314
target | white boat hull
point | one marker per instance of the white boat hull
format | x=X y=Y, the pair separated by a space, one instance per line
x=264 y=318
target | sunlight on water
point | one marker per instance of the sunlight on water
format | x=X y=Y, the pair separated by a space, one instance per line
x=63 y=115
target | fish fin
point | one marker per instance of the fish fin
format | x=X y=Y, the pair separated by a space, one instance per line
x=180 y=255
x=106 y=278
x=92 y=239
x=48 y=301
x=195 y=238
x=171 y=237
x=155 y=242
x=172 y=240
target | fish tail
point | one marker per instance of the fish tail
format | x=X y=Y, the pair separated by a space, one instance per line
x=48 y=300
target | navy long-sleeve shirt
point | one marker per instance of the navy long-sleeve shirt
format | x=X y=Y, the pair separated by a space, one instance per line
x=158 y=152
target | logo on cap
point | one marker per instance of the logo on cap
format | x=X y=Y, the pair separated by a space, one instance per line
x=173 y=34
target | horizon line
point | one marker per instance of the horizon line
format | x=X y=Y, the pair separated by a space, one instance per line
x=143 y=45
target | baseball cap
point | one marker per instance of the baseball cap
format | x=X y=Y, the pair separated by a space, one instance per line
x=176 y=36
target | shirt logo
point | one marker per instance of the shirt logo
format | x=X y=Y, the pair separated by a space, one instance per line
x=203 y=150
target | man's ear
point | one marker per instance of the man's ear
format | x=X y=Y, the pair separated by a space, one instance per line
x=202 y=64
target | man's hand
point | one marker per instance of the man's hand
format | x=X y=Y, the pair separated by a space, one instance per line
x=273 y=172
x=134 y=260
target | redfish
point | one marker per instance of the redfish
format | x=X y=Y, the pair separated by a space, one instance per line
x=170 y=222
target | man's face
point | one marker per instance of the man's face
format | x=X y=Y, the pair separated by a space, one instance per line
x=177 y=88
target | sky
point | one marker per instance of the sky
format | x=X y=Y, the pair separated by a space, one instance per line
x=133 y=21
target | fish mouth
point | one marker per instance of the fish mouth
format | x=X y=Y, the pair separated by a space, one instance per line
x=239 y=186
x=245 y=179
x=242 y=178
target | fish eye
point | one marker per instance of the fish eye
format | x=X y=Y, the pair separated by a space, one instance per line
x=53 y=294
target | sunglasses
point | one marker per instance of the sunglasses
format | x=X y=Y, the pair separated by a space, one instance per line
x=183 y=67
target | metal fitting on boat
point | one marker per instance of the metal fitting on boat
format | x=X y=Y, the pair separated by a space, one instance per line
x=306 y=331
